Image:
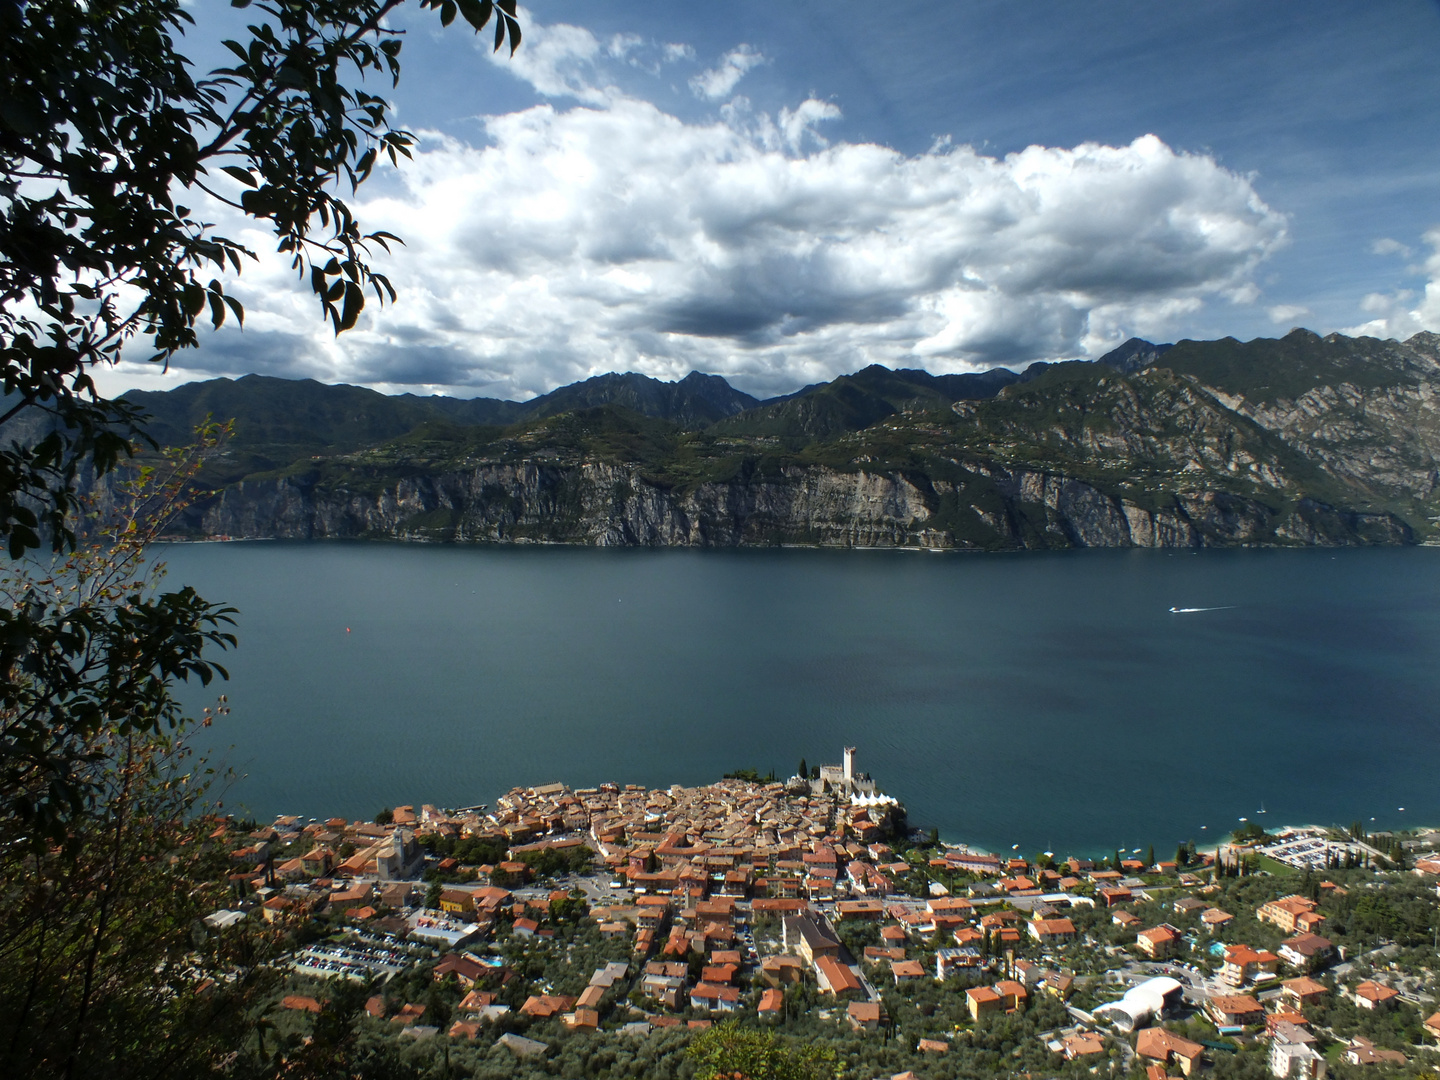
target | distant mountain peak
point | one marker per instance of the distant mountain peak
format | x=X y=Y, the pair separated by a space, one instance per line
x=1135 y=355
x=698 y=398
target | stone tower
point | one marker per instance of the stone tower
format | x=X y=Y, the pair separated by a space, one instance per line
x=849 y=768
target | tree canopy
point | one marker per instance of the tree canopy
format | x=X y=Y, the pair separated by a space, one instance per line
x=107 y=134
x=728 y=1050
x=109 y=141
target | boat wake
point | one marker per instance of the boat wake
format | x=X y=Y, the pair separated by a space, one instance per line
x=1188 y=610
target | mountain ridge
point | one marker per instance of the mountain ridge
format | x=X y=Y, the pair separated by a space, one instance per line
x=1296 y=440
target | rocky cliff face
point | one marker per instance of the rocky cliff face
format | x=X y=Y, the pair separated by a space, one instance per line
x=1367 y=412
x=610 y=505
x=1295 y=441
x=1382 y=438
x=600 y=504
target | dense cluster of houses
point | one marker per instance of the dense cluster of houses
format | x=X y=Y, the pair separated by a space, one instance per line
x=1292 y=1046
x=692 y=871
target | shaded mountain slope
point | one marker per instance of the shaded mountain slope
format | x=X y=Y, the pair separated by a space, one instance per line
x=1298 y=440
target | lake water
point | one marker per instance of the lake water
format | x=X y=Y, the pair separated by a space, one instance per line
x=1047 y=700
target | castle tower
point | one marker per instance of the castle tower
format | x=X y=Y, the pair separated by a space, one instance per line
x=849 y=768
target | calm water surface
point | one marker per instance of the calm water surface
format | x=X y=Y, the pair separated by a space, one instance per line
x=1049 y=701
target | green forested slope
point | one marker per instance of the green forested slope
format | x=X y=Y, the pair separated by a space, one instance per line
x=1297 y=440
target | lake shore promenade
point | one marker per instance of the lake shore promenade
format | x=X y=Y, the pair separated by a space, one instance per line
x=621 y=911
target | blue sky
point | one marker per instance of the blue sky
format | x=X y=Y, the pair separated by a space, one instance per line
x=784 y=192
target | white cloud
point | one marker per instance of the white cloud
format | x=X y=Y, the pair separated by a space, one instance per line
x=560 y=60
x=616 y=236
x=798 y=123
x=1286 y=314
x=622 y=45
x=647 y=55
x=569 y=61
x=1395 y=315
x=1387 y=246
x=717 y=82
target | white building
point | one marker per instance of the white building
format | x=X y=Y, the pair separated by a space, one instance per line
x=1292 y=1055
x=1146 y=1002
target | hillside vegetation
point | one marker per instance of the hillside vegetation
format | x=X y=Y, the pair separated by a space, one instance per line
x=1296 y=441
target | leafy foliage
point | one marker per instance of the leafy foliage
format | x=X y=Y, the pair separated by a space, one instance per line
x=103 y=128
x=103 y=125
x=105 y=972
x=728 y=1050
x=105 y=135
x=90 y=650
x=550 y=862
x=1405 y=912
x=752 y=776
x=466 y=849
x=1267 y=369
x=104 y=865
x=1250 y=831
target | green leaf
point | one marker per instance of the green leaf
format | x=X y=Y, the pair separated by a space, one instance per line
x=291 y=78
x=194 y=299
x=243 y=175
x=18 y=118
x=447 y=12
x=354 y=302
x=477 y=12
x=21 y=539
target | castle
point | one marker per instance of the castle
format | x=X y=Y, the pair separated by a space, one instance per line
x=843 y=779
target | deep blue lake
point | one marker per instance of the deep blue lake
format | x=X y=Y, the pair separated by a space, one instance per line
x=1047 y=700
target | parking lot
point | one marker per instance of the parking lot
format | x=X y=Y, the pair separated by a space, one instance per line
x=359 y=961
x=1308 y=852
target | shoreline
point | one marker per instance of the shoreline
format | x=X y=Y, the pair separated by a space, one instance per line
x=1202 y=849
x=960 y=846
x=941 y=549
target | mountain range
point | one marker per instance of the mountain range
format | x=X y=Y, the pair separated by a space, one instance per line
x=1300 y=440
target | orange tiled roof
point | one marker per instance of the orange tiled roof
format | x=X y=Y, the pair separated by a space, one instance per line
x=1377 y=992
x=1158 y=1044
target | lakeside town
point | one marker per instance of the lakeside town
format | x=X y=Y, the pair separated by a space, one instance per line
x=564 y=927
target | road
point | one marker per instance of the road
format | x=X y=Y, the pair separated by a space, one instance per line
x=1384 y=950
x=1198 y=988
